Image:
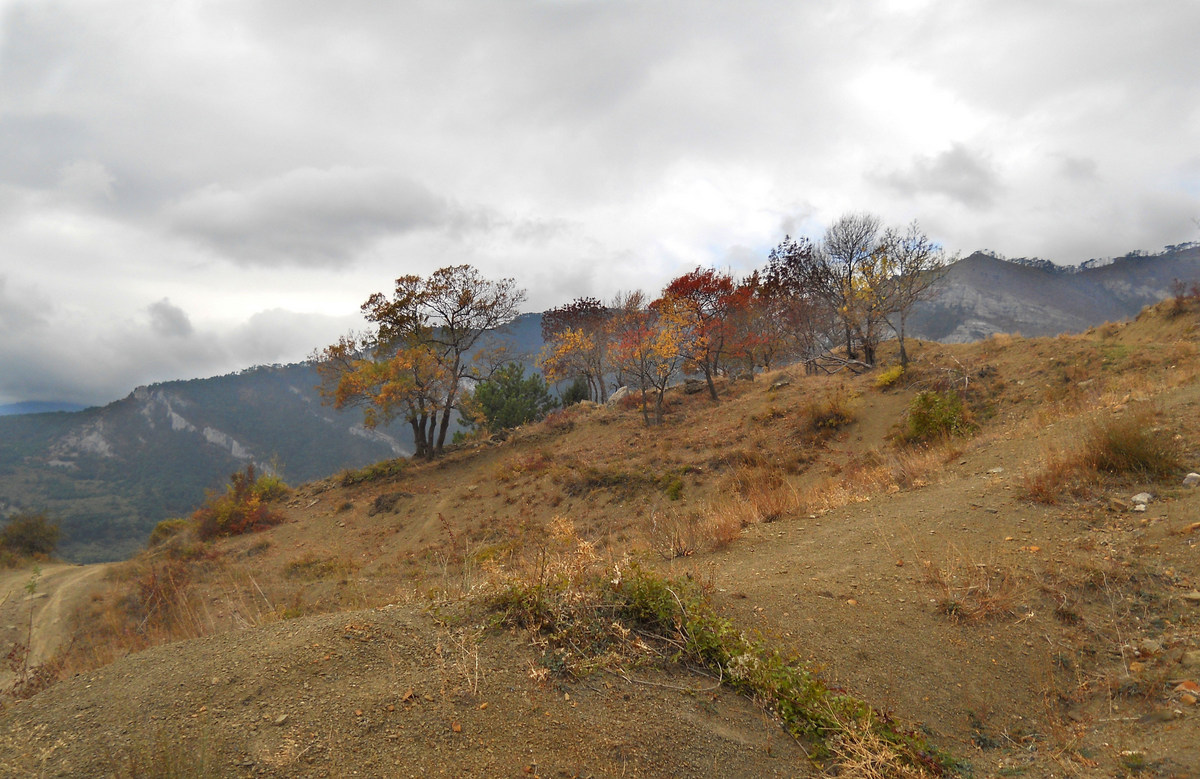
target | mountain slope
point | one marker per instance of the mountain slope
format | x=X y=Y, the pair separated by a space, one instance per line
x=982 y=295
x=109 y=474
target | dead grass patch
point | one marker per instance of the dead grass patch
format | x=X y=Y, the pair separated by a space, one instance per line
x=973 y=591
x=876 y=473
x=1130 y=445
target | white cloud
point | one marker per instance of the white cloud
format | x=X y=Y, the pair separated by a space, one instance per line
x=230 y=159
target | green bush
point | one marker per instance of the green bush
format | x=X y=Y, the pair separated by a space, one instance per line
x=380 y=470
x=936 y=415
x=242 y=508
x=508 y=400
x=29 y=535
x=578 y=391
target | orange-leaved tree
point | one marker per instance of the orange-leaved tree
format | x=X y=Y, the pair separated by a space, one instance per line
x=710 y=303
x=650 y=343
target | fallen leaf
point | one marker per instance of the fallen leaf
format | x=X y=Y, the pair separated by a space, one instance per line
x=483 y=706
x=456 y=727
x=408 y=694
x=1187 y=686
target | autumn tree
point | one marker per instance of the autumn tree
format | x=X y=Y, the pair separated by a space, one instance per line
x=916 y=265
x=794 y=299
x=577 y=344
x=706 y=301
x=649 y=345
x=864 y=278
x=414 y=361
x=846 y=254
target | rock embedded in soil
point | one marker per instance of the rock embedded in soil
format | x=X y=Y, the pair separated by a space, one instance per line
x=1191 y=480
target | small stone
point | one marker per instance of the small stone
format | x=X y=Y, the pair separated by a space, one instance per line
x=1139 y=506
x=779 y=385
x=281 y=720
x=1142 y=498
x=1190 y=659
x=996 y=470
x=1149 y=646
x=1191 y=480
x=1191 y=597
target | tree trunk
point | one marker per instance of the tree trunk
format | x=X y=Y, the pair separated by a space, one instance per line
x=708 y=377
x=418 y=437
x=658 y=406
x=900 y=338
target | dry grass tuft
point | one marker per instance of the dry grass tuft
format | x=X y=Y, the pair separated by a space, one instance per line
x=1126 y=446
x=974 y=592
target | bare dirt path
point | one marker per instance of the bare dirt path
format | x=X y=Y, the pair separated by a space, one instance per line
x=41 y=619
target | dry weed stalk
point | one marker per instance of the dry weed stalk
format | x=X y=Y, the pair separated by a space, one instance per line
x=861 y=753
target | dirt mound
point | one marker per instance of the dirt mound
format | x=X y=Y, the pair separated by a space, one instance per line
x=384 y=692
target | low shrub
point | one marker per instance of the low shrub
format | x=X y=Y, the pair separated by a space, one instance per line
x=380 y=470
x=933 y=415
x=166 y=530
x=886 y=379
x=242 y=508
x=1131 y=445
x=828 y=413
x=1127 y=446
x=613 y=613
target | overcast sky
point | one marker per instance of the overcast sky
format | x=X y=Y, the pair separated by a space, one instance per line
x=192 y=187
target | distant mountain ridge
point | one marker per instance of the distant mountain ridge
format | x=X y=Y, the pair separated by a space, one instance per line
x=982 y=295
x=38 y=407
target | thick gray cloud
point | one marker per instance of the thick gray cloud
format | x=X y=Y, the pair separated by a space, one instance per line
x=956 y=173
x=253 y=162
x=308 y=217
x=169 y=320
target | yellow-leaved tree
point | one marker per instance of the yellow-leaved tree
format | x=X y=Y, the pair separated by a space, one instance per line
x=413 y=362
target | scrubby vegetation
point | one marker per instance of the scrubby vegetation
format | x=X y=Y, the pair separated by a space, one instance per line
x=932 y=415
x=27 y=536
x=1130 y=446
x=243 y=507
x=596 y=619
